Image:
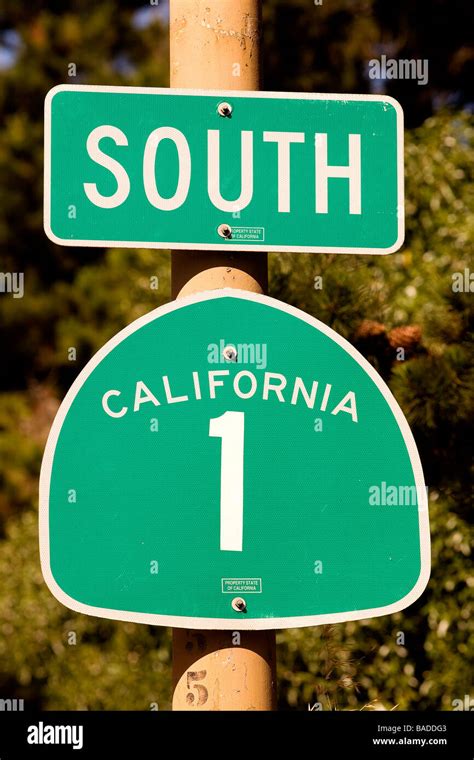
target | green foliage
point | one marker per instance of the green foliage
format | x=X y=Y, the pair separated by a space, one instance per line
x=401 y=311
x=103 y=299
x=74 y=661
x=20 y=456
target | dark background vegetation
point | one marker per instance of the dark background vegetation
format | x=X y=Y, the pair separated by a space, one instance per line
x=81 y=297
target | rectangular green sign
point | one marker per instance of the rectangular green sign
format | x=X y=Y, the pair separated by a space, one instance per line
x=162 y=168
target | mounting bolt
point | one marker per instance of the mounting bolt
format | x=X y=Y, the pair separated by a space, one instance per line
x=238 y=604
x=230 y=354
x=224 y=109
x=225 y=231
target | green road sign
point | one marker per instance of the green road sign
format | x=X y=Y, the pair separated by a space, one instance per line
x=160 y=168
x=229 y=447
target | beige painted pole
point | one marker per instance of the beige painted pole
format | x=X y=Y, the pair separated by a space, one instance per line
x=215 y=44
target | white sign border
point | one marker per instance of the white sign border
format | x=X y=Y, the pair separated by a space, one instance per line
x=237 y=622
x=229 y=245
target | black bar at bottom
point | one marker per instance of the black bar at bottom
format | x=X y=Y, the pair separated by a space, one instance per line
x=134 y=734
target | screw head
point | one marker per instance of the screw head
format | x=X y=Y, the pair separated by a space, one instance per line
x=225 y=231
x=238 y=604
x=230 y=353
x=224 y=109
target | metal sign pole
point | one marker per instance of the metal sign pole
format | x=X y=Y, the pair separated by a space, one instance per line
x=215 y=44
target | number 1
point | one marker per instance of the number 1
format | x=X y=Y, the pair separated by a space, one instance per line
x=230 y=427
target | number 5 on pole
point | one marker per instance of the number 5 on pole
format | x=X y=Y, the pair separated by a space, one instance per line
x=230 y=427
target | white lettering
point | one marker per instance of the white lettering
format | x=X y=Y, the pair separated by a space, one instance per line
x=214 y=172
x=101 y=158
x=143 y=399
x=253 y=384
x=106 y=407
x=284 y=140
x=323 y=171
x=184 y=174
